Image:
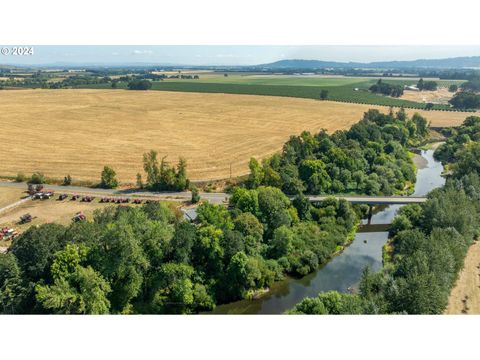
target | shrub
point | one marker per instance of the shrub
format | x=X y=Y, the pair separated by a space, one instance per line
x=67 y=180
x=109 y=178
x=20 y=177
x=195 y=195
x=37 y=178
x=139 y=85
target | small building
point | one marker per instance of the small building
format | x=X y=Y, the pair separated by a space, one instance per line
x=411 y=88
x=190 y=214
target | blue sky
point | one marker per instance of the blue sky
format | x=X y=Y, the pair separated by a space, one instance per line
x=230 y=55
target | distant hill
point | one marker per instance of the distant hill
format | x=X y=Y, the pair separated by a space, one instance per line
x=458 y=62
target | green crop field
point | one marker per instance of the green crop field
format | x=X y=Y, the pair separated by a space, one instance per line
x=301 y=80
x=344 y=89
x=273 y=80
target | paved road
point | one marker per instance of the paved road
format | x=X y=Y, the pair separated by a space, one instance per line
x=216 y=198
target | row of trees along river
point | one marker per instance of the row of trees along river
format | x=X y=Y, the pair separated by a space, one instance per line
x=343 y=273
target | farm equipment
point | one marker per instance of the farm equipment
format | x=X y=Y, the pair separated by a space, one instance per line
x=38 y=195
x=25 y=218
x=42 y=194
x=47 y=194
x=79 y=216
x=33 y=189
x=7 y=233
x=117 y=200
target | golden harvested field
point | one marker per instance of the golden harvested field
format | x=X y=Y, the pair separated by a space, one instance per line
x=465 y=296
x=77 y=132
x=439 y=96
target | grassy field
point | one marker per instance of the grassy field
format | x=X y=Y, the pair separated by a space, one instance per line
x=77 y=132
x=344 y=89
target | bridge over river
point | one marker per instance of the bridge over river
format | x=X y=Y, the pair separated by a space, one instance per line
x=374 y=200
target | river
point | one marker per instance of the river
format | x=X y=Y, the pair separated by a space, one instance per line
x=344 y=271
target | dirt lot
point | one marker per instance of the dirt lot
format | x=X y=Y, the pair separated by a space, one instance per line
x=465 y=296
x=10 y=195
x=77 y=132
x=46 y=211
x=440 y=96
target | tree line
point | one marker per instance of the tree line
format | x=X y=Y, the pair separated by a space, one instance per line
x=369 y=158
x=429 y=85
x=387 y=89
x=468 y=97
x=161 y=176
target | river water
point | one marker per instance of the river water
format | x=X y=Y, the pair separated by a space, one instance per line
x=344 y=271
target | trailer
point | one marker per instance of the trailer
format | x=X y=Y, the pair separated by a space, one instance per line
x=8 y=233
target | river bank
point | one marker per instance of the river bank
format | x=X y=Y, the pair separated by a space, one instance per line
x=343 y=272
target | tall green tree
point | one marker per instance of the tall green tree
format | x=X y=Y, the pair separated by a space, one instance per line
x=108 y=178
x=76 y=289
